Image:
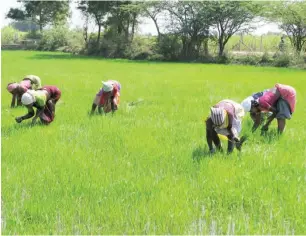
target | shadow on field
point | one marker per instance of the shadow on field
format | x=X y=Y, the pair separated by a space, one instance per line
x=199 y=153
x=41 y=56
x=84 y=57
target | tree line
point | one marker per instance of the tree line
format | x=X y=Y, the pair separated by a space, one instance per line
x=184 y=28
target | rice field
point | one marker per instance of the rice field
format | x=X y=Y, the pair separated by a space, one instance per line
x=146 y=169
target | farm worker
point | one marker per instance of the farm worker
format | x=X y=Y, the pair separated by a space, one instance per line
x=280 y=100
x=108 y=97
x=44 y=100
x=258 y=118
x=225 y=118
x=17 y=89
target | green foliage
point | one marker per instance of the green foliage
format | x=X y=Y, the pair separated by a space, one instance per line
x=282 y=60
x=292 y=16
x=266 y=58
x=247 y=60
x=146 y=169
x=42 y=12
x=140 y=49
x=170 y=47
x=113 y=45
x=190 y=21
x=25 y=25
x=62 y=39
x=229 y=17
x=9 y=35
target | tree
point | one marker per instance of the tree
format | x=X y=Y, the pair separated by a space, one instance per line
x=123 y=19
x=41 y=12
x=98 y=10
x=130 y=12
x=191 y=20
x=152 y=10
x=230 y=17
x=291 y=17
x=24 y=25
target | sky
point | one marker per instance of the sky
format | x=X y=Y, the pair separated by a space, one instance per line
x=146 y=27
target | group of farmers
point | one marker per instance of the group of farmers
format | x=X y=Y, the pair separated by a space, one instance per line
x=30 y=93
x=225 y=117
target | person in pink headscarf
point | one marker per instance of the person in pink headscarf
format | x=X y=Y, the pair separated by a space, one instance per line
x=18 y=89
x=280 y=100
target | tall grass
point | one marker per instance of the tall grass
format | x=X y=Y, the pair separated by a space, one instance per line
x=145 y=170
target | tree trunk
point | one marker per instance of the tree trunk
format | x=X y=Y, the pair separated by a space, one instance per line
x=99 y=32
x=221 y=45
x=206 y=47
x=133 y=26
x=40 y=21
x=157 y=28
x=221 y=48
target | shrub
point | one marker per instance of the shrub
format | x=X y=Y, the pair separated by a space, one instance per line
x=141 y=48
x=249 y=60
x=112 y=45
x=282 y=60
x=170 y=47
x=266 y=58
x=9 y=35
x=62 y=39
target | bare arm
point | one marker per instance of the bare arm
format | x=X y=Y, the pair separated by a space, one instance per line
x=256 y=117
x=270 y=119
x=232 y=134
x=209 y=128
x=30 y=114
x=13 y=100
x=113 y=105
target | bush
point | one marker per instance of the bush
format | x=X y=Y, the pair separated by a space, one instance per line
x=224 y=59
x=281 y=60
x=9 y=35
x=113 y=45
x=170 y=47
x=141 y=48
x=62 y=39
x=298 y=61
x=54 y=38
x=249 y=60
x=265 y=58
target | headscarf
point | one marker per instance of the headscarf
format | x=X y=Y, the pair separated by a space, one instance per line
x=27 y=98
x=217 y=115
x=12 y=86
x=107 y=86
x=247 y=104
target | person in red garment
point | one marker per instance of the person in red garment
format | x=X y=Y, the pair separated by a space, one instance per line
x=107 y=98
x=44 y=100
x=280 y=100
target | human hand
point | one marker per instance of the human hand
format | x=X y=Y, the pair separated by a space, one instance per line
x=264 y=128
x=239 y=144
x=236 y=139
x=18 y=119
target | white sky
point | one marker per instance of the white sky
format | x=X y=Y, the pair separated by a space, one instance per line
x=147 y=26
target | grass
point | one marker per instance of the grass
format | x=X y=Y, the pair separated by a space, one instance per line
x=145 y=170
